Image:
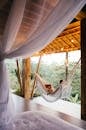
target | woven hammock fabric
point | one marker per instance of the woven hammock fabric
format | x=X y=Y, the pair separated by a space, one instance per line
x=63 y=90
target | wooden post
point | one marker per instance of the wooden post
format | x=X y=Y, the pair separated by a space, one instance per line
x=35 y=77
x=66 y=63
x=83 y=69
x=19 y=75
x=26 y=78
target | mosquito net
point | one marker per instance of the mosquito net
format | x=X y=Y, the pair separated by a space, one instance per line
x=46 y=19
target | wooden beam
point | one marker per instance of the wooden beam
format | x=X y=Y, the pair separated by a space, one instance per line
x=83 y=69
x=19 y=75
x=26 y=78
x=37 y=69
x=81 y=15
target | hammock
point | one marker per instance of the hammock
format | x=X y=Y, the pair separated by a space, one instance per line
x=63 y=90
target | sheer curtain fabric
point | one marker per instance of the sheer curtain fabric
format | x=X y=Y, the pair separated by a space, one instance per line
x=51 y=19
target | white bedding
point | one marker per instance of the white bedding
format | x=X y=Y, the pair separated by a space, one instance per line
x=38 y=121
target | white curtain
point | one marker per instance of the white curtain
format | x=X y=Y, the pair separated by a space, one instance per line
x=52 y=16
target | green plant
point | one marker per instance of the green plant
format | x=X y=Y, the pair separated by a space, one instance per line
x=74 y=99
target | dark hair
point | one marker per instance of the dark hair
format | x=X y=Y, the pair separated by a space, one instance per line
x=60 y=81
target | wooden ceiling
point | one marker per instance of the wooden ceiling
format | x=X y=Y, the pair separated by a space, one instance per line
x=68 y=40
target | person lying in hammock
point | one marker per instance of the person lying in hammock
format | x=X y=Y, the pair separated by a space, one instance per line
x=63 y=91
x=51 y=89
x=46 y=87
x=49 y=93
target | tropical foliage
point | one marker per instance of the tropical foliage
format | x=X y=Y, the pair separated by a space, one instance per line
x=52 y=73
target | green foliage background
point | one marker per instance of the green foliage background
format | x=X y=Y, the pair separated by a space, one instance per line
x=11 y=65
x=52 y=74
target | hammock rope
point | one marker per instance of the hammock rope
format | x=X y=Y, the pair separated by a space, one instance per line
x=63 y=90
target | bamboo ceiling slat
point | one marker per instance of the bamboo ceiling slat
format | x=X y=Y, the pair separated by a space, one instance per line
x=57 y=43
x=78 y=39
x=75 y=42
x=68 y=40
x=62 y=43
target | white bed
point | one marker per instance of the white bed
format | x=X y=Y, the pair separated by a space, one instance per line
x=38 y=121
